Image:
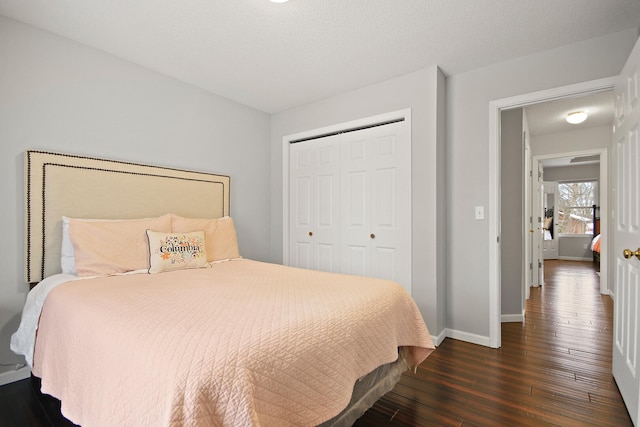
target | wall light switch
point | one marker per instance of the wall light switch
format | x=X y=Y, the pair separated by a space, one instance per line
x=479 y=212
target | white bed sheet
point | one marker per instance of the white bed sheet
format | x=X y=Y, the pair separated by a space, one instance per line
x=24 y=339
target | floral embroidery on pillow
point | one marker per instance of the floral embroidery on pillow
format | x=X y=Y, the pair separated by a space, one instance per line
x=176 y=251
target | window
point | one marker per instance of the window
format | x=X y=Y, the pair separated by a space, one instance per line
x=575 y=207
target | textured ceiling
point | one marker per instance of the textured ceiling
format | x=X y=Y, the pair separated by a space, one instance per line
x=550 y=117
x=277 y=56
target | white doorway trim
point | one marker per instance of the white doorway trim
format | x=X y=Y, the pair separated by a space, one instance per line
x=495 y=107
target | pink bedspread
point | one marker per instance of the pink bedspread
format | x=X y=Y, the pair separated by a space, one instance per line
x=243 y=343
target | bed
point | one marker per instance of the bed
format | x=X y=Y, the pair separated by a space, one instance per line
x=595 y=242
x=154 y=318
x=548 y=224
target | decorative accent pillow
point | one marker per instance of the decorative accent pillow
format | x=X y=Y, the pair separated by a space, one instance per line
x=104 y=247
x=176 y=251
x=220 y=235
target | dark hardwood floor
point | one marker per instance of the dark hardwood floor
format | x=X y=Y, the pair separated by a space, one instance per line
x=22 y=405
x=553 y=369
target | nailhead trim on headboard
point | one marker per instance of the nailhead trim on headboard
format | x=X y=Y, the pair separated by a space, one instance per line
x=41 y=161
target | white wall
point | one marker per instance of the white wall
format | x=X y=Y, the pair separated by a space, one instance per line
x=578 y=172
x=597 y=137
x=60 y=96
x=468 y=147
x=423 y=92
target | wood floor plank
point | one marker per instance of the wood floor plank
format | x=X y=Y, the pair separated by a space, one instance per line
x=552 y=369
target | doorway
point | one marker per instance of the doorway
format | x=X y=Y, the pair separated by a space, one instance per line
x=574 y=247
x=495 y=109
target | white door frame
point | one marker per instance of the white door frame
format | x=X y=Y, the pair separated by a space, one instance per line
x=527 y=221
x=536 y=213
x=495 y=107
x=286 y=142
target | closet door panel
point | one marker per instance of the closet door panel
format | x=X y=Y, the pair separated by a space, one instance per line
x=356 y=201
x=386 y=191
x=302 y=255
x=326 y=254
x=384 y=198
x=326 y=201
x=357 y=147
x=355 y=204
x=302 y=205
x=314 y=204
x=391 y=200
x=326 y=232
x=357 y=261
x=303 y=193
x=384 y=263
x=350 y=203
x=376 y=202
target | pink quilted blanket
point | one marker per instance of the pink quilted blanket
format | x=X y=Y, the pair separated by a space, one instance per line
x=243 y=343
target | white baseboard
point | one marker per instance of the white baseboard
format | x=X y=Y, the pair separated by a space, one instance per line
x=574 y=258
x=437 y=340
x=13 y=376
x=466 y=336
x=507 y=318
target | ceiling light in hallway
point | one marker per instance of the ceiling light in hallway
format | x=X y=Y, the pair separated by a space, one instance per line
x=576 y=117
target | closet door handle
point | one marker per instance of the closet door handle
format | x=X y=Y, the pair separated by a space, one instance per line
x=373 y=236
x=311 y=233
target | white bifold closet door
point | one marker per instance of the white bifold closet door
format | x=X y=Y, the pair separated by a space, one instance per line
x=350 y=203
x=315 y=204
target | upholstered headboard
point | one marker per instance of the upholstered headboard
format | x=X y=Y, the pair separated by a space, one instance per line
x=59 y=185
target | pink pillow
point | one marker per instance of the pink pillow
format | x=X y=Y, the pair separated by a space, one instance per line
x=104 y=247
x=219 y=235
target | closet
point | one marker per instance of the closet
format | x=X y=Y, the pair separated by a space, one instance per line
x=350 y=202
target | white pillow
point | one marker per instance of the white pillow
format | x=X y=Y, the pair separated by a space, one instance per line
x=67 y=255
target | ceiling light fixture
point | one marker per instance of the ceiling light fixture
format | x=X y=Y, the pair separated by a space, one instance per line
x=279 y=1
x=576 y=117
